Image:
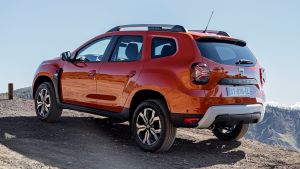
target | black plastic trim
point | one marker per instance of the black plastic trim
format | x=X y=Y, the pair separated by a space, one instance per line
x=124 y=115
x=56 y=84
x=231 y=119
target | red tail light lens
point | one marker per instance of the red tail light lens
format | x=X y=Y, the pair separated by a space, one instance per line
x=191 y=120
x=200 y=73
x=262 y=73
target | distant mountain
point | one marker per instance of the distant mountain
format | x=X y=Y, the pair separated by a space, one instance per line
x=24 y=93
x=280 y=127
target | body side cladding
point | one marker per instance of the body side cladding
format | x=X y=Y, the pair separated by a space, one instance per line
x=123 y=115
x=56 y=84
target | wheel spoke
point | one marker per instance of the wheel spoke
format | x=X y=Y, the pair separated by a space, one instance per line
x=152 y=130
x=42 y=111
x=140 y=128
x=144 y=118
x=226 y=129
x=46 y=97
x=39 y=104
x=146 y=136
x=46 y=108
x=154 y=119
x=41 y=95
x=157 y=131
x=48 y=105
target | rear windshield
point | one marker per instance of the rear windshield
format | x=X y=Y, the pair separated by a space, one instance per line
x=226 y=52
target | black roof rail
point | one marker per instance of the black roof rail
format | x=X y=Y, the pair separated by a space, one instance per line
x=152 y=27
x=222 y=33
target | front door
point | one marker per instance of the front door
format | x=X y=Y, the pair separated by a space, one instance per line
x=78 y=80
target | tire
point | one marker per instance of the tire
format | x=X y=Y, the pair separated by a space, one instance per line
x=159 y=125
x=232 y=133
x=46 y=107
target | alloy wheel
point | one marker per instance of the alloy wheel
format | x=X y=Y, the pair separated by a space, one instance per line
x=43 y=103
x=148 y=126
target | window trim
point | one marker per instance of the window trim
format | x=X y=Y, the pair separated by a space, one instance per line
x=90 y=44
x=115 y=45
x=164 y=37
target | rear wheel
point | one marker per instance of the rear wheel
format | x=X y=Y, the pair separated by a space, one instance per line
x=230 y=133
x=45 y=103
x=151 y=126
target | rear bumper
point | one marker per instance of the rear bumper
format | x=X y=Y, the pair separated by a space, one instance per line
x=250 y=113
x=228 y=114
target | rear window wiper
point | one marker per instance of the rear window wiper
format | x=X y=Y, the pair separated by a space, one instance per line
x=243 y=61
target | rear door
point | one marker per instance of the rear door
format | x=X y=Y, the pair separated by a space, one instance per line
x=118 y=76
x=78 y=82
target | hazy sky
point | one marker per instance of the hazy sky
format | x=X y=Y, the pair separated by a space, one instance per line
x=32 y=31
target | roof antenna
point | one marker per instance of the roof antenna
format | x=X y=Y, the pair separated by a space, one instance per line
x=212 y=13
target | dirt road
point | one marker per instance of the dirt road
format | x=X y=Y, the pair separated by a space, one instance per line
x=85 y=141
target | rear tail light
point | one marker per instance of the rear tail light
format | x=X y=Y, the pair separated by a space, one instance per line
x=262 y=73
x=200 y=73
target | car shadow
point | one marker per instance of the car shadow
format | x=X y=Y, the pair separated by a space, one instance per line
x=88 y=142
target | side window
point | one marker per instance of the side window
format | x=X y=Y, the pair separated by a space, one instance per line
x=128 y=48
x=162 y=47
x=93 y=52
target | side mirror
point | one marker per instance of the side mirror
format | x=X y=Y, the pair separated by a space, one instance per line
x=66 y=56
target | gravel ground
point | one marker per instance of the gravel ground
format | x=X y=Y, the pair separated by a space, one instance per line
x=81 y=140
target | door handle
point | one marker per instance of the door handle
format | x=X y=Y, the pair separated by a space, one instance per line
x=131 y=73
x=92 y=73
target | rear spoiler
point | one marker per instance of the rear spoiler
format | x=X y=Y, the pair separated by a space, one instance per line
x=230 y=41
x=222 y=33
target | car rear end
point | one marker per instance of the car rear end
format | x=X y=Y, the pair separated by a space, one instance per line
x=232 y=79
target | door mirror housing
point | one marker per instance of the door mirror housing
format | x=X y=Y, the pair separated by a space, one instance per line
x=66 y=56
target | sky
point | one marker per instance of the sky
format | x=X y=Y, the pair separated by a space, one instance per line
x=35 y=30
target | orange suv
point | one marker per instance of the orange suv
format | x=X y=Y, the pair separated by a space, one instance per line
x=158 y=79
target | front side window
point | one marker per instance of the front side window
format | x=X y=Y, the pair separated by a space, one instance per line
x=94 y=52
x=128 y=48
x=162 y=47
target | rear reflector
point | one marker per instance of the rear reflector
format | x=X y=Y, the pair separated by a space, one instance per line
x=191 y=120
x=262 y=73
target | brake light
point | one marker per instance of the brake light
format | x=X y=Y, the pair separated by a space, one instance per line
x=262 y=73
x=200 y=73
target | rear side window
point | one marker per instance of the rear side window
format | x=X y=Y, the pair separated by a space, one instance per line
x=128 y=48
x=227 y=53
x=162 y=47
